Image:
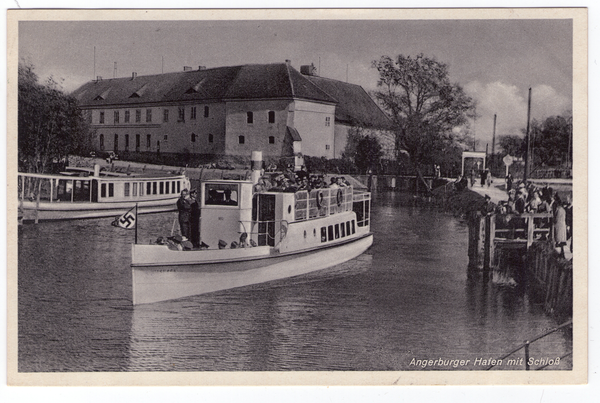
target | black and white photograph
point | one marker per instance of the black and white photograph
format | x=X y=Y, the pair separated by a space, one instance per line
x=284 y=197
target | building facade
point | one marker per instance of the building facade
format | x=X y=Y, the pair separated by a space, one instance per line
x=227 y=111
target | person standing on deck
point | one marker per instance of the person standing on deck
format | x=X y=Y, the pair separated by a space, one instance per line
x=195 y=219
x=184 y=206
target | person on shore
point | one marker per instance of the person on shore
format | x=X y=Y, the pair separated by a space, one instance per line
x=487 y=207
x=472 y=177
x=483 y=177
x=509 y=182
x=488 y=178
x=569 y=222
x=184 y=206
x=560 y=222
x=194 y=219
x=520 y=202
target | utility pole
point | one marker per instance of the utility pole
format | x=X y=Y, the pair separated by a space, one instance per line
x=527 y=140
x=492 y=155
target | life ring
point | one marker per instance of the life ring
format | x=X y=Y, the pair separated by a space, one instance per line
x=319 y=198
x=339 y=197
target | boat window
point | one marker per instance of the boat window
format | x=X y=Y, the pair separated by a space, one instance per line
x=348 y=227
x=221 y=194
x=134 y=189
x=154 y=188
x=111 y=190
x=323 y=234
x=178 y=186
x=161 y=188
x=343 y=229
x=167 y=187
x=337 y=231
x=353 y=228
x=141 y=188
x=126 y=189
x=103 y=190
x=330 y=232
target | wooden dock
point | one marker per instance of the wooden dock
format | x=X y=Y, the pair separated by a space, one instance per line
x=523 y=247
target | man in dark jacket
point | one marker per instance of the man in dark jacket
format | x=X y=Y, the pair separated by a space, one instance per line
x=184 y=206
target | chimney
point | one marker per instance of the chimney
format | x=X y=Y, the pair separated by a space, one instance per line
x=133 y=75
x=201 y=67
x=288 y=62
x=98 y=78
x=308 y=70
x=187 y=68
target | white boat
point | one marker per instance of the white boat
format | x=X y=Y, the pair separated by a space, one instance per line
x=89 y=193
x=283 y=234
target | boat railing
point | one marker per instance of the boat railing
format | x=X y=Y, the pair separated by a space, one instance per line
x=53 y=188
x=268 y=232
x=322 y=202
x=528 y=227
x=525 y=346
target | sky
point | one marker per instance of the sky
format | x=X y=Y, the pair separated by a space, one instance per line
x=495 y=61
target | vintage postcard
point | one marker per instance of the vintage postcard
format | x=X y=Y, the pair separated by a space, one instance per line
x=321 y=197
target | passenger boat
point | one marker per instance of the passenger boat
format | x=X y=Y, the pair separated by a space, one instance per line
x=251 y=237
x=90 y=193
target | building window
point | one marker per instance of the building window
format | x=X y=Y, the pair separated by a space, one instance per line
x=206 y=111
x=101 y=142
x=271 y=139
x=165 y=115
x=127 y=113
x=148 y=115
x=327 y=121
x=210 y=138
x=193 y=113
x=241 y=140
x=181 y=117
x=138 y=116
x=166 y=137
x=193 y=137
x=137 y=143
x=271 y=116
x=127 y=142
x=327 y=146
x=249 y=117
x=116 y=117
x=101 y=118
x=157 y=149
x=116 y=147
x=148 y=141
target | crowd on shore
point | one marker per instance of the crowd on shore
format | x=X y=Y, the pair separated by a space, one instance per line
x=527 y=198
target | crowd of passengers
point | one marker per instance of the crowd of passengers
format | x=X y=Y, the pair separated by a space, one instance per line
x=290 y=181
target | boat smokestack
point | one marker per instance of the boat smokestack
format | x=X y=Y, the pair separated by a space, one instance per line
x=256 y=166
x=96 y=170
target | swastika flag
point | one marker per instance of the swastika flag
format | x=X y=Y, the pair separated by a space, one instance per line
x=127 y=220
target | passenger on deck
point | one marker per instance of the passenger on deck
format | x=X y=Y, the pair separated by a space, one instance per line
x=535 y=202
x=487 y=207
x=333 y=183
x=560 y=223
x=195 y=219
x=520 y=202
x=184 y=206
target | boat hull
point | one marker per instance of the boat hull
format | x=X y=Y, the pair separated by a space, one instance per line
x=167 y=282
x=74 y=210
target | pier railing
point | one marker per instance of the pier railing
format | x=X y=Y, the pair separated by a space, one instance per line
x=525 y=346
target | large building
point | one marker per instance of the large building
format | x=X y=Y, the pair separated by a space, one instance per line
x=228 y=111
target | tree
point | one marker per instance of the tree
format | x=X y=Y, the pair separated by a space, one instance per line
x=425 y=107
x=363 y=150
x=50 y=124
x=512 y=144
x=551 y=141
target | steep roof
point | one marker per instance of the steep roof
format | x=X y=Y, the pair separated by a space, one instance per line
x=354 y=106
x=252 y=81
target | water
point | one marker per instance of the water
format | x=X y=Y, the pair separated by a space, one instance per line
x=408 y=298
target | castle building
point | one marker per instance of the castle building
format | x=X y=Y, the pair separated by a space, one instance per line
x=228 y=111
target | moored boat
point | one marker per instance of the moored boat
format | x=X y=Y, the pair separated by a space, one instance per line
x=252 y=236
x=90 y=193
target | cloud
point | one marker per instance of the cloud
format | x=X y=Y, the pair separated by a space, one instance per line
x=509 y=103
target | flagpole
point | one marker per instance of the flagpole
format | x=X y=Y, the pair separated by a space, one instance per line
x=136 y=222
